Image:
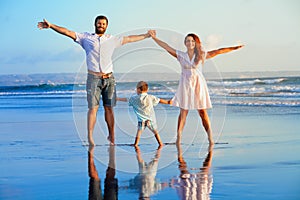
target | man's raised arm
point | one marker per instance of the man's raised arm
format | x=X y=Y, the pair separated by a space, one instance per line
x=45 y=24
x=135 y=38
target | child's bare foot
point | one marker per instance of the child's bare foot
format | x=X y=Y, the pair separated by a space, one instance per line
x=210 y=147
x=178 y=141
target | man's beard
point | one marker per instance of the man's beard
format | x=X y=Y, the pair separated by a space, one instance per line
x=98 y=31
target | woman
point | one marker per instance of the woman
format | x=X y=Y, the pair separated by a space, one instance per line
x=193 y=184
x=192 y=92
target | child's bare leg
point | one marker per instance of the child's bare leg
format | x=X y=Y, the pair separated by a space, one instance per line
x=137 y=137
x=157 y=137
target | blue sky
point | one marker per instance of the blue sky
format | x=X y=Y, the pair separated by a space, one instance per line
x=269 y=29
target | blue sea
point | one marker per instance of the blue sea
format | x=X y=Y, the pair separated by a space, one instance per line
x=279 y=91
x=44 y=155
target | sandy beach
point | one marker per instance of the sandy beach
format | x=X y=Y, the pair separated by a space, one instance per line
x=43 y=157
x=44 y=152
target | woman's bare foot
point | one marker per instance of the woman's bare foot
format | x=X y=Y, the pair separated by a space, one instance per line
x=92 y=144
x=91 y=141
x=178 y=140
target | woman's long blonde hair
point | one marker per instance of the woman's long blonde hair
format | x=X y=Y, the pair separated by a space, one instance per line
x=199 y=52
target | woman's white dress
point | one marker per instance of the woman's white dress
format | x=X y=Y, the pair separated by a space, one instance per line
x=192 y=92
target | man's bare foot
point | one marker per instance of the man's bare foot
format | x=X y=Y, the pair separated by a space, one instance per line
x=110 y=140
x=91 y=149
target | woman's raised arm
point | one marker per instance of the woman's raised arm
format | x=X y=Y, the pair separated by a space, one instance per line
x=213 y=53
x=162 y=44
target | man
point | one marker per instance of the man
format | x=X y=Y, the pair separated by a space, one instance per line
x=99 y=48
x=110 y=181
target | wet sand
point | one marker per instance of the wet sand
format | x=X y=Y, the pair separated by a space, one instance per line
x=256 y=157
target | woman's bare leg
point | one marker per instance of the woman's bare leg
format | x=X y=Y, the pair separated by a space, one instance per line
x=181 y=123
x=206 y=123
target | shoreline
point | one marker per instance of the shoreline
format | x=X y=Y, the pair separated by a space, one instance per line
x=74 y=78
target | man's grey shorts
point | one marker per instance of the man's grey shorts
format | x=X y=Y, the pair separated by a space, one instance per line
x=97 y=86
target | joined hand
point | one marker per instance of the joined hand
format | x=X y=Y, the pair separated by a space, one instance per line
x=44 y=24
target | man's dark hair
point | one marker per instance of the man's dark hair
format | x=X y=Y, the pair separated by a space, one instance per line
x=101 y=17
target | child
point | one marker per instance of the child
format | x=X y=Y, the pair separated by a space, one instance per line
x=145 y=181
x=143 y=104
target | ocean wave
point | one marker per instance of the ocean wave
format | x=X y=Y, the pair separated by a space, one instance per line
x=41 y=89
x=270 y=103
x=263 y=91
x=269 y=81
x=250 y=82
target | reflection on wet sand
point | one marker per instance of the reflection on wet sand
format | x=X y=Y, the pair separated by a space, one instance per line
x=197 y=185
x=110 y=182
x=145 y=181
x=190 y=184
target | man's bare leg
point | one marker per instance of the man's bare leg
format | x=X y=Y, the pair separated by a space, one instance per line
x=110 y=121
x=206 y=123
x=91 y=121
x=181 y=123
